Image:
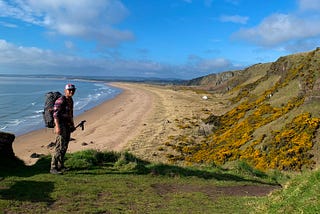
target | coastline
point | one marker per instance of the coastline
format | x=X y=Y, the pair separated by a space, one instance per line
x=144 y=119
x=109 y=126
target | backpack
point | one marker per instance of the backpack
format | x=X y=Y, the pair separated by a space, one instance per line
x=50 y=99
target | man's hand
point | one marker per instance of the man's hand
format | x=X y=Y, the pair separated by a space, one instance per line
x=72 y=128
x=81 y=124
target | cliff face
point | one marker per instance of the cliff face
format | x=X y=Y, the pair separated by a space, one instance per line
x=275 y=115
x=213 y=80
x=220 y=82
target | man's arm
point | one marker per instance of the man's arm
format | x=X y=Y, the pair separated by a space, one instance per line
x=56 y=127
x=57 y=113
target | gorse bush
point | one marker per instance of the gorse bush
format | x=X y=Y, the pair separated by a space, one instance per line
x=288 y=148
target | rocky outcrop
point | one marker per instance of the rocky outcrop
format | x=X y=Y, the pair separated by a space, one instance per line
x=6 y=151
x=212 y=79
x=225 y=81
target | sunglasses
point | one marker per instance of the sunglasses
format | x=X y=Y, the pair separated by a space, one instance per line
x=73 y=90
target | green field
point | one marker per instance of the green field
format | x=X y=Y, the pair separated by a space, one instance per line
x=120 y=183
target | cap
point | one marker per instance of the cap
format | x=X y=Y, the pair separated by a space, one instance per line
x=69 y=87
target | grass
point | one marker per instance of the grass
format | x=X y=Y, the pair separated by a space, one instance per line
x=113 y=182
x=300 y=195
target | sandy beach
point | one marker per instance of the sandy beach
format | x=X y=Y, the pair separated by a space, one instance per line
x=140 y=120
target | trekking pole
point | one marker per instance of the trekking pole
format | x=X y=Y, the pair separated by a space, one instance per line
x=81 y=124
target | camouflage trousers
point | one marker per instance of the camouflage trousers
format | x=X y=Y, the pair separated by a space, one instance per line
x=61 y=146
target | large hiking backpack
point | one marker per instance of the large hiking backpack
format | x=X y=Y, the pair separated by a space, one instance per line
x=50 y=99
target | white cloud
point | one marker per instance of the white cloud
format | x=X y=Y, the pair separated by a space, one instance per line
x=92 y=20
x=279 y=28
x=234 y=19
x=313 y=5
x=8 y=25
x=20 y=59
x=302 y=45
x=214 y=64
x=204 y=66
x=13 y=55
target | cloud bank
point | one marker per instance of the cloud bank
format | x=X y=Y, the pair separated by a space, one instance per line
x=288 y=31
x=37 y=61
x=87 y=19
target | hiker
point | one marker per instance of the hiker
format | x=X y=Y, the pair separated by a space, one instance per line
x=64 y=125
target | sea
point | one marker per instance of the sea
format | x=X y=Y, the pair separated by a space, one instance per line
x=22 y=99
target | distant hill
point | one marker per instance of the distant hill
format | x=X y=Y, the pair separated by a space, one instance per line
x=223 y=82
x=137 y=79
x=274 y=116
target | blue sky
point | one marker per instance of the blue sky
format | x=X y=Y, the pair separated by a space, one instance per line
x=152 y=38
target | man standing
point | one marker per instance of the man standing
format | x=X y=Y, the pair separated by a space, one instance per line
x=64 y=125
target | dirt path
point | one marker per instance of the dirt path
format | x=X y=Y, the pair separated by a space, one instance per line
x=216 y=191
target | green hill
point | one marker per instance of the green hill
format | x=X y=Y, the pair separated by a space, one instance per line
x=273 y=116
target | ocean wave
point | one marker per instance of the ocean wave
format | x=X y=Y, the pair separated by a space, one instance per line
x=38 y=111
x=35 y=116
x=16 y=122
x=22 y=113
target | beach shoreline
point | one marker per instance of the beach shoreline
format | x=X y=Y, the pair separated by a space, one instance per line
x=143 y=120
x=109 y=126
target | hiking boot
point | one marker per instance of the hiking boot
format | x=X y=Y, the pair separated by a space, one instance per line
x=63 y=169
x=55 y=172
